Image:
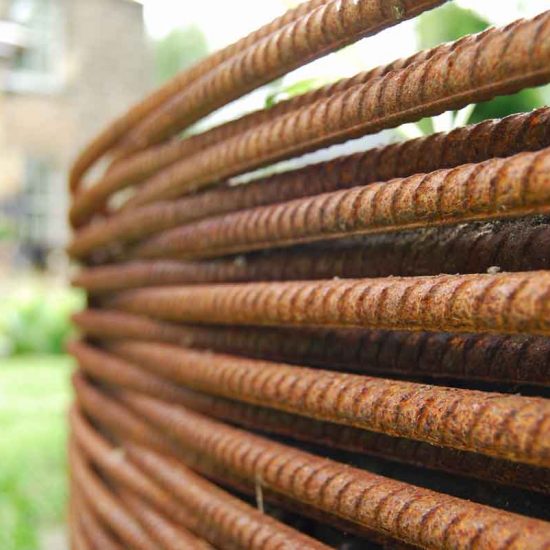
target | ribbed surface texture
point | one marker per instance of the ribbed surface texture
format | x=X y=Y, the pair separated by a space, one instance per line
x=350 y=354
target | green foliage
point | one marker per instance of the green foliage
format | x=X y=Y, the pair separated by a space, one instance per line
x=37 y=319
x=35 y=397
x=501 y=106
x=446 y=24
x=179 y=50
x=6 y=230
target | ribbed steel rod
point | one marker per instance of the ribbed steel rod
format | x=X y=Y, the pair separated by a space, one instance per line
x=107 y=505
x=333 y=25
x=116 y=466
x=497 y=138
x=106 y=369
x=79 y=541
x=478 y=247
x=116 y=419
x=128 y=427
x=228 y=525
x=499 y=425
x=221 y=518
x=495 y=189
x=470 y=144
x=109 y=137
x=498 y=303
x=513 y=359
x=168 y=535
x=394 y=508
x=477 y=143
x=497 y=63
x=92 y=527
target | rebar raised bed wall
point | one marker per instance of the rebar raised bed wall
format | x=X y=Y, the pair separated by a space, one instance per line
x=350 y=354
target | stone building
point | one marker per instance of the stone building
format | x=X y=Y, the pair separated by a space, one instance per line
x=66 y=68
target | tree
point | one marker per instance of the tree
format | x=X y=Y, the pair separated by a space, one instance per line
x=179 y=50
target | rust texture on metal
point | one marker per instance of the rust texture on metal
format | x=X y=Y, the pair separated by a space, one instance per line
x=317 y=338
x=523 y=132
x=494 y=303
x=478 y=247
x=392 y=507
x=216 y=515
x=333 y=25
x=494 y=189
x=489 y=357
x=122 y=417
x=92 y=527
x=168 y=535
x=496 y=63
x=122 y=374
x=500 y=425
x=107 y=505
x=116 y=130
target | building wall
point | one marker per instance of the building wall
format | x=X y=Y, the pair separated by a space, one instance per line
x=104 y=65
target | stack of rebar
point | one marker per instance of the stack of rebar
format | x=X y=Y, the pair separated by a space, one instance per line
x=351 y=354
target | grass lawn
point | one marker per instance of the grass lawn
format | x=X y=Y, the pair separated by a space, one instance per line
x=34 y=396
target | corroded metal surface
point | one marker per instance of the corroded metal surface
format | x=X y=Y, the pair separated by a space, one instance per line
x=329 y=27
x=107 y=505
x=496 y=63
x=497 y=188
x=524 y=132
x=111 y=135
x=489 y=357
x=501 y=138
x=123 y=374
x=502 y=303
x=498 y=425
x=511 y=245
x=392 y=507
x=389 y=310
x=232 y=522
x=479 y=142
x=167 y=534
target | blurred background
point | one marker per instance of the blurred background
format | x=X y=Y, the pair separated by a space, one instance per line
x=66 y=68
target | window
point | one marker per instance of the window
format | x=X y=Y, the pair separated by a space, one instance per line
x=42 y=207
x=38 y=66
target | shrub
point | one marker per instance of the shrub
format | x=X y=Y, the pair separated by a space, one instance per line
x=36 y=319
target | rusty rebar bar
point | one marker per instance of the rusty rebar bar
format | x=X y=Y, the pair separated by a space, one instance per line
x=110 y=369
x=333 y=25
x=122 y=374
x=494 y=189
x=167 y=534
x=106 y=505
x=500 y=425
x=408 y=513
x=523 y=132
x=92 y=527
x=110 y=415
x=517 y=359
x=477 y=143
x=221 y=518
x=230 y=526
x=493 y=303
x=496 y=63
x=109 y=137
x=510 y=245
x=79 y=541
x=113 y=462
